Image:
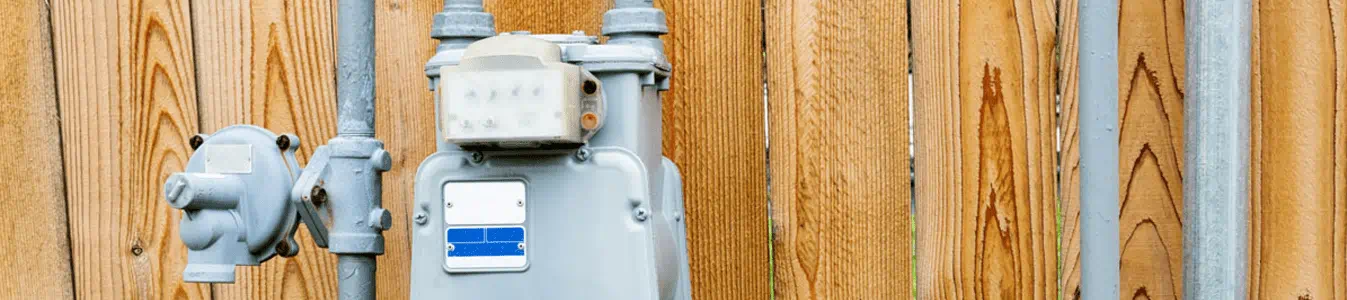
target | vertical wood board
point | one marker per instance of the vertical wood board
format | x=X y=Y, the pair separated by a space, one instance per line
x=714 y=131
x=406 y=123
x=986 y=155
x=837 y=90
x=33 y=210
x=127 y=86
x=1297 y=133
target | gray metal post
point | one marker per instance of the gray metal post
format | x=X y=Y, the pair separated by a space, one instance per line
x=1099 y=250
x=357 y=159
x=1216 y=137
x=355 y=68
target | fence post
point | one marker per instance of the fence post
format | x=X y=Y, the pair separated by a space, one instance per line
x=1216 y=137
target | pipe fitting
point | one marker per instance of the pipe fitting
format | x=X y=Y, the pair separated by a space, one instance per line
x=195 y=191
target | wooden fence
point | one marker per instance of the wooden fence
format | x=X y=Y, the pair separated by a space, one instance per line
x=100 y=98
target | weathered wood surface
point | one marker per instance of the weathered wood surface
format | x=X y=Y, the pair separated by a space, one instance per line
x=1150 y=80
x=837 y=90
x=986 y=149
x=1150 y=110
x=33 y=208
x=406 y=123
x=714 y=130
x=270 y=63
x=126 y=82
x=1299 y=157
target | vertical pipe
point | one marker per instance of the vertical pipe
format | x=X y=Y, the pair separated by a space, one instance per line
x=355 y=68
x=463 y=5
x=633 y=3
x=355 y=186
x=459 y=24
x=1216 y=137
x=356 y=276
x=1099 y=149
x=635 y=22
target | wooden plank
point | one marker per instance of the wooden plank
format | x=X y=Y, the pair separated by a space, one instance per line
x=1297 y=168
x=837 y=93
x=406 y=123
x=1338 y=14
x=1068 y=93
x=548 y=16
x=271 y=63
x=986 y=158
x=1150 y=79
x=127 y=89
x=33 y=213
x=714 y=130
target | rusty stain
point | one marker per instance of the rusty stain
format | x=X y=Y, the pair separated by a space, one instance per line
x=998 y=267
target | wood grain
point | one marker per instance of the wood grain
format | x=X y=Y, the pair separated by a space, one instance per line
x=1150 y=109
x=1338 y=14
x=548 y=16
x=1068 y=94
x=33 y=210
x=714 y=130
x=406 y=124
x=127 y=87
x=271 y=63
x=1297 y=134
x=837 y=96
x=986 y=156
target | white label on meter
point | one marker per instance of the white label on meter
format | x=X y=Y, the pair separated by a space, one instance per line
x=484 y=203
x=229 y=158
x=484 y=226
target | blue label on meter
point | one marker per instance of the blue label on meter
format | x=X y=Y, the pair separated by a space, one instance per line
x=484 y=241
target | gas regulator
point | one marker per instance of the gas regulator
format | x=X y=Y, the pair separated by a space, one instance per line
x=548 y=182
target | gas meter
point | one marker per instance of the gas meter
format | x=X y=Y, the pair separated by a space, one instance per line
x=549 y=181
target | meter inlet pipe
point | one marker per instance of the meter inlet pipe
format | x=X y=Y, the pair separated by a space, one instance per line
x=635 y=22
x=1216 y=149
x=461 y=23
x=1099 y=251
x=355 y=187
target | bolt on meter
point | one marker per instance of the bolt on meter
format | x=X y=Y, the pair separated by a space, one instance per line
x=549 y=181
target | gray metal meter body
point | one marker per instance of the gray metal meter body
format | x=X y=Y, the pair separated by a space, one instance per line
x=549 y=182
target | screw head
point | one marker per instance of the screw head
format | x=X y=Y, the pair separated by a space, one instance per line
x=283 y=142
x=318 y=196
x=521 y=246
x=137 y=250
x=641 y=214
x=448 y=205
x=519 y=202
x=421 y=218
x=283 y=249
x=450 y=247
x=196 y=141
x=589 y=87
x=583 y=154
x=478 y=157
